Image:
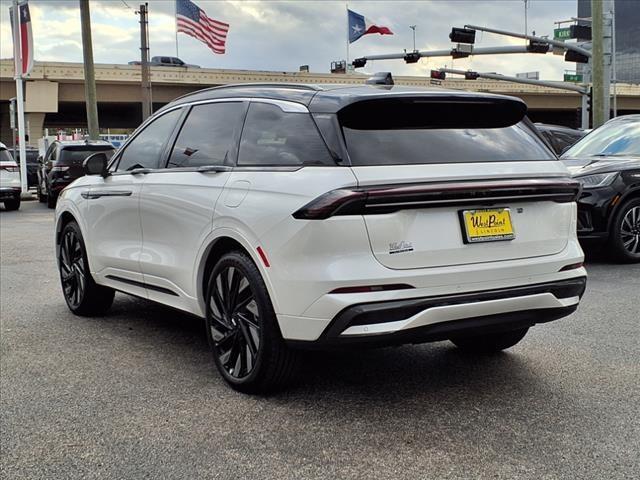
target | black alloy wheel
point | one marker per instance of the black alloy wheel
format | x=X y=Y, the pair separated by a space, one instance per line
x=235 y=322
x=630 y=230
x=625 y=234
x=243 y=330
x=83 y=296
x=73 y=271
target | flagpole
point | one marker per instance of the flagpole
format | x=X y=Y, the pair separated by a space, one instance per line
x=346 y=4
x=17 y=57
x=175 y=19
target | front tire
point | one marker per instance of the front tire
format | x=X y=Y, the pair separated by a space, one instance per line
x=83 y=296
x=624 y=241
x=491 y=342
x=242 y=328
x=13 y=204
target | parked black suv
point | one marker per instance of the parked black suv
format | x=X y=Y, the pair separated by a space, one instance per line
x=32 y=165
x=607 y=163
x=62 y=164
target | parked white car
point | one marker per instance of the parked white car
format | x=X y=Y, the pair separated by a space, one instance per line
x=296 y=216
x=9 y=180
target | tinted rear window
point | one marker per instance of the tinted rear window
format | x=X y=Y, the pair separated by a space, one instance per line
x=417 y=131
x=76 y=155
x=5 y=156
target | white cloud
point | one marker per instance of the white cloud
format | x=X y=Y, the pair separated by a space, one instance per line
x=281 y=35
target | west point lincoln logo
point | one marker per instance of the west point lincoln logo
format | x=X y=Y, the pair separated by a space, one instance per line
x=491 y=221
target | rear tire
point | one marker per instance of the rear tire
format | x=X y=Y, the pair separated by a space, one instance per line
x=243 y=330
x=83 y=296
x=51 y=200
x=490 y=342
x=624 y=242
x=12 y=204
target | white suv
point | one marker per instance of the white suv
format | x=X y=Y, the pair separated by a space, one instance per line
x=9 y=180
x=293 y=216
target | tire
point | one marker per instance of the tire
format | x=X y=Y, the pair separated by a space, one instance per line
x=624 y=240
x=52 y=200
x=83 y=296
x=243 y=330
x=490 y=342
x=42 y=198
x=12 y=204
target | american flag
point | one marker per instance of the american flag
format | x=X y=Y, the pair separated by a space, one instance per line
x=192 y=20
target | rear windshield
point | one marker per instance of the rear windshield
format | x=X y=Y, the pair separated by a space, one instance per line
x=5 y=156
x=411 y=133
x=77 y=155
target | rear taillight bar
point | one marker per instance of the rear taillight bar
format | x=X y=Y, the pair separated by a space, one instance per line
x=379 y=199
x=9 y=169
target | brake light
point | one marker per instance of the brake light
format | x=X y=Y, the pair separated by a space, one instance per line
x=379 y=199
x=10 y=169
x=372 y=288
x=59 y=169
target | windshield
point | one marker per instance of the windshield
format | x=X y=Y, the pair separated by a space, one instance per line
x=76 y=155
x=620 y=138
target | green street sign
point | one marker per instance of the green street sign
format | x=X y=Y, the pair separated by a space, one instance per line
x=573 y=77
x=562 y=33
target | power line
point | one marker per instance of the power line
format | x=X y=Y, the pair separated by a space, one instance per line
x=126 y=5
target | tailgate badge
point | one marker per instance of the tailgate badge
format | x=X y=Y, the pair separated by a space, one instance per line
x=400 y=247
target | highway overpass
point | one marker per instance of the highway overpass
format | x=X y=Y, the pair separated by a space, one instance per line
x=55 y=93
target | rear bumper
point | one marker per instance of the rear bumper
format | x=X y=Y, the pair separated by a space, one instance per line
x=437 y=318
x=9 y=193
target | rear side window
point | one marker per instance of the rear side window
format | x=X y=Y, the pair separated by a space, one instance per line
x=77 y=155
x=421 y=133
x=145 y=150
x=272 y=137
x=208 y=135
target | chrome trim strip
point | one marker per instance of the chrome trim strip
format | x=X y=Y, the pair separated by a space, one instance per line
x=106 y=193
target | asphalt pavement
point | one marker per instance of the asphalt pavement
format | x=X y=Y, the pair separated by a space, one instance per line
x=135 y=394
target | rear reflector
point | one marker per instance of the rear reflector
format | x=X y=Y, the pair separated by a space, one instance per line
x=573 y=266
x=372 y=288
x=390 y=198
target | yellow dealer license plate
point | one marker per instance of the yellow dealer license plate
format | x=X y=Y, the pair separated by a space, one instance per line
x=488 y=225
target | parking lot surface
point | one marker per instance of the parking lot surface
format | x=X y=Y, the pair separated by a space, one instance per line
x=135 y=394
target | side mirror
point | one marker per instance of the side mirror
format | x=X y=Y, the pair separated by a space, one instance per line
x=96 y=164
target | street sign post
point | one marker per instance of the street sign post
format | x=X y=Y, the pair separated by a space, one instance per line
x=562 y=33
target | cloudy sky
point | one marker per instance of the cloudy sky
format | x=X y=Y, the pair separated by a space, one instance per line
x=282 y=35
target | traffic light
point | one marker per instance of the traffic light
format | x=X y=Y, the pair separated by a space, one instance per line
x=469 y=75
x=412 y=57
x=573 y=56
x=438 y=75
x=359 y=62
x=537 y=47
x=462 y=35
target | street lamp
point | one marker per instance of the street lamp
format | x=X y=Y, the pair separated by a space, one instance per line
x=413 y=27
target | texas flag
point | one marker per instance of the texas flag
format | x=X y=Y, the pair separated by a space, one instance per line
x=23 y=40
x=359 y=25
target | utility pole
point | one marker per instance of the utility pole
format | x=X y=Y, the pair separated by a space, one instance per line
x=147 y=107
x=597 y=63
x=89 y=72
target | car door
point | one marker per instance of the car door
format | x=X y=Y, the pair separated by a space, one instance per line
x=113 y=217
x=177 y=202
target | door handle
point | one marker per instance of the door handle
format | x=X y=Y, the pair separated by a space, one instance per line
x=214 y=169
x=106 y=193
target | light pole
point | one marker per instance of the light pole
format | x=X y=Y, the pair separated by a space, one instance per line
x=413 y=27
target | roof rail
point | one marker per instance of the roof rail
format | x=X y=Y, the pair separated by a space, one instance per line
x=298 y=86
